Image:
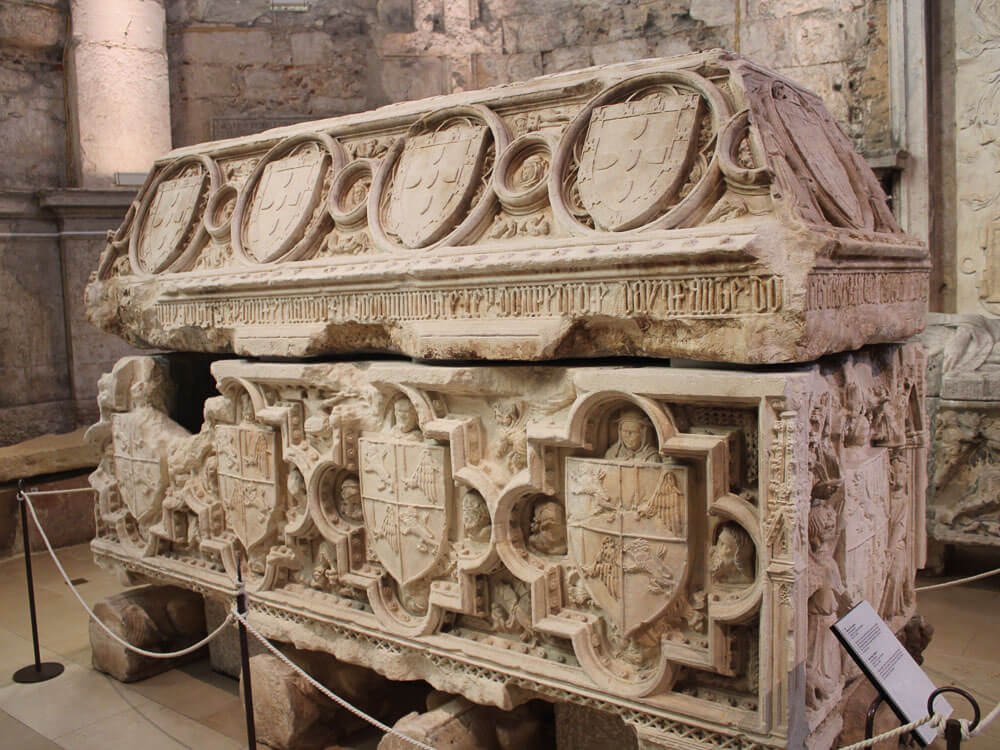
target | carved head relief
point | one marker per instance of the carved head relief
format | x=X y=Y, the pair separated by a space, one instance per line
x=634 y=438
x=547 y=527
x=733 y=558
x=404 y=418
x=476 y=523
x=348 y=502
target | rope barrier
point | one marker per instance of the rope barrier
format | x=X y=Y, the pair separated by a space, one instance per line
x=151 y=654
x=322 y=688
x=957 y=581
x=935 y=720
x=69 y=491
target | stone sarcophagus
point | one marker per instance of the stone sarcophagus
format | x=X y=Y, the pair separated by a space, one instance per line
x=667 y=544
x=698 y=207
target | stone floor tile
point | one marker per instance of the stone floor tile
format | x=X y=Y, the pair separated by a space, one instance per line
x=20 y=736
x=149 y=726
x=73 y=700
x=187 y=694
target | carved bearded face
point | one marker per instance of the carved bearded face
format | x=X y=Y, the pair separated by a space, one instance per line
x=732 y=557
x=405 y=415
x=350 y=500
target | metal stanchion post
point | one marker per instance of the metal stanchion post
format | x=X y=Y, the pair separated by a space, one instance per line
x=241 y=607
x=39 y=671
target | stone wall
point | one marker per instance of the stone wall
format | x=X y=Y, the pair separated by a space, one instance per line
x=237 y=67
x=32 y=112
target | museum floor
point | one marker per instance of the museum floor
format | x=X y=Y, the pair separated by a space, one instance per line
x=197 y=708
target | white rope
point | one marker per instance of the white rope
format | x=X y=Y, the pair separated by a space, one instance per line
x=69 y=491
x=95 y=618
x=946 y=584
x=987 y=720
x=935 y=720
x=322 y=688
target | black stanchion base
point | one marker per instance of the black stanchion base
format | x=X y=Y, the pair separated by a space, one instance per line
x=44 y=671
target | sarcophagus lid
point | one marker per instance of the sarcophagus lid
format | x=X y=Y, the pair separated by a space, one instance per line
x=697 y=206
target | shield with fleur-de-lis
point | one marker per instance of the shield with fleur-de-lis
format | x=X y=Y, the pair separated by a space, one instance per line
x=437 y=175
x=168 y=220
x=636 y=156
x=248 y=480
x=405 y=494
x=627 y=531
x=140 y=466
x=284 y=201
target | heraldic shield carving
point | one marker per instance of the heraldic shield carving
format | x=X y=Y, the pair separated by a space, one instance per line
x=627 y=530
x=168 y=219
x=636 y=156
x=139 y=467
x=285 y=199
x=248 y=480
x=437 y=175
x=404 y=494
x=866 y=527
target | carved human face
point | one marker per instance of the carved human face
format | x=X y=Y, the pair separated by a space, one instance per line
x=548 y=532
x=723 y=560
x=350 y=500
x=405 y=414
x=474 y=514
x=296 y=484
x=631 y=433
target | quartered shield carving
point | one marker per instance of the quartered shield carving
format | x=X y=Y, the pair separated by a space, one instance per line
x=405 y=495
x=168 y=220
x=284 y=201
x=248 y=479
x=627 y=530
x=808 y=133
x=139 y=467
x=636 y=155
x=437 y=175
x=866 y=528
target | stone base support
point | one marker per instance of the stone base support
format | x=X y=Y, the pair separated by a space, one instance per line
x=290 y=713
x=154 y=618
x=580 y=728
x=459 y=724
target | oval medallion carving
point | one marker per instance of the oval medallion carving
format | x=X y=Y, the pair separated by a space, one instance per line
x=279 y=214
x=168 y=231
x=640 y=155
x=433 y=187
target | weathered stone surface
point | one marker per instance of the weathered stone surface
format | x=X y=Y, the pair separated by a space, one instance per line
x=153 y=618
x=458 y=724
x=534 y=243
x=48 y=454
x=963 y=377
x=665 y=544
x=581 y=728
x=67 y=517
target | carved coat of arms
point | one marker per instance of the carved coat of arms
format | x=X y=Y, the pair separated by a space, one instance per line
x=807 y=131
x=436 y=177
x=283 y=203
x=635 y=156
x=140 y=465
x=168 y=220
x=866 y=528
x=627 y=530
x=248 y=480
x=405 y=495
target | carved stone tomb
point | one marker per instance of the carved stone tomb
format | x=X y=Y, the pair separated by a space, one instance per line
x=666 y=544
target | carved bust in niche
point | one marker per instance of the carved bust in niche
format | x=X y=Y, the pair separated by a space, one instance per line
x=547 y=527
x=404 y=419
x=296 y=487
x=246 y=408
x=733 y=556
x=348 y=500
x=635 y=439
x=476 y=524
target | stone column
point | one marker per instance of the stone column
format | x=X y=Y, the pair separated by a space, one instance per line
x=119 y=92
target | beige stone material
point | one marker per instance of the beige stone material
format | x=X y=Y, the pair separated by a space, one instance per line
x=153 y=618
x=48 y=454
x=698 y=207
x=666 y=544
x=120 y=92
